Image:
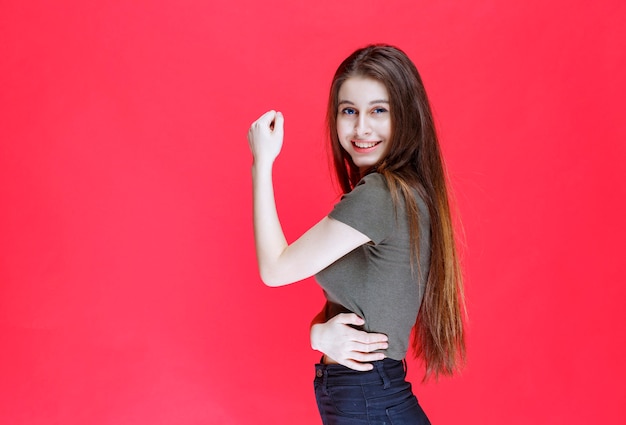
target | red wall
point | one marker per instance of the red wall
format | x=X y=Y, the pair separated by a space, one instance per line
x=128 y=286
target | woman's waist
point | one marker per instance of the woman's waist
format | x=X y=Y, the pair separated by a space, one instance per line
x=339 y=374
x=327 y=360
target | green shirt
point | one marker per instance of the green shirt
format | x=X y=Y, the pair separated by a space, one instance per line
x=375 y=281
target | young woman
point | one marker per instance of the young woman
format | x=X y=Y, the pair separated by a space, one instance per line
x=385 y=255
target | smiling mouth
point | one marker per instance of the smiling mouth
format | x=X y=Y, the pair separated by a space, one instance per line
x=364 y=145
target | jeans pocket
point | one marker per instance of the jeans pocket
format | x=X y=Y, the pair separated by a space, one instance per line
x=409 y=412
x=348 y=400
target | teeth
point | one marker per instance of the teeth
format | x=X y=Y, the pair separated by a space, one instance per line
x=365 y=145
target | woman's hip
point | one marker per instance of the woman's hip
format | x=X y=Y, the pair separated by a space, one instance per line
x=379 y=396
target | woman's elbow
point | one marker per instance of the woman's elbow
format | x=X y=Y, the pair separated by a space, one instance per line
x=271 y=279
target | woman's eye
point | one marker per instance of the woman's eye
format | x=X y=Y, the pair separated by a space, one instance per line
x=379 y=110
x=348 y=111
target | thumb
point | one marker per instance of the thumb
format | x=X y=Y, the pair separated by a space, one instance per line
x=349 y=319
x=266 y=119
x=279 y=122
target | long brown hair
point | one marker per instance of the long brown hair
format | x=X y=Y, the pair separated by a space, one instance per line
x=414 y=162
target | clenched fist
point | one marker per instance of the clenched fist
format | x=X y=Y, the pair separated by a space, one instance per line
x=266 y=137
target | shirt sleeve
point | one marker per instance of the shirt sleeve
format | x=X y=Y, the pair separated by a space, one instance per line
x=368 y=208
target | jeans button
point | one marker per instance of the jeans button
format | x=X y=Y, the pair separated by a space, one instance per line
x=319 y=373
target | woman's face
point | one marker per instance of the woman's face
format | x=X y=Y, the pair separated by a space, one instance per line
x=363 y=120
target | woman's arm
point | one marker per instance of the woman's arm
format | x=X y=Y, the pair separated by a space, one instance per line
x=327 y=241
x=345 y=345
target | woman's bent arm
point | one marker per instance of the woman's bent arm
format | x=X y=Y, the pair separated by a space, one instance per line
x=323 y=244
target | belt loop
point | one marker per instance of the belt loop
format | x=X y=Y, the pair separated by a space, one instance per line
x=380 y=367
x=325 y=381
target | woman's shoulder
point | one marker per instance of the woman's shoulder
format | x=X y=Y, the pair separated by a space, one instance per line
x=374 y=180
x=370 y=192
x=377 y=186
x=372 y=185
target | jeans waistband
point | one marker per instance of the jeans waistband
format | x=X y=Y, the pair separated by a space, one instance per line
x=384 y=370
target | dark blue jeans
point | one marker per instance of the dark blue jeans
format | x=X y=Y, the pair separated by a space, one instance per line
x=381 y=396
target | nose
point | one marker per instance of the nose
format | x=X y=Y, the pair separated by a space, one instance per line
x=362 y=126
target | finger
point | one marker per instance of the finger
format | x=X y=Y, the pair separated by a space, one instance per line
x=362 y=367
x=268 y=116
x=367 y=357
x=279 y=121
x=349 y=319
x=265 y=120
x=365 y=337
x=372 y=338
x=368 y=348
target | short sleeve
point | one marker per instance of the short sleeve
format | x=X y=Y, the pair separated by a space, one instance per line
x=368 y=208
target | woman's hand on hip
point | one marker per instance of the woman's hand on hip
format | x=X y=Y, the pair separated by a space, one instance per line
x=266 y=136
x=346 y=345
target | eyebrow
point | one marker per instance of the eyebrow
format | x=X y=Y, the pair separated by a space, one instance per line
x=341 y=102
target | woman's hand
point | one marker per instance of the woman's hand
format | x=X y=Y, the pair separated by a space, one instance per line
x=266 y=137
x=346 y=345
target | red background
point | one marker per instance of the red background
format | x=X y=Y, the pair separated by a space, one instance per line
x=128 y=285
